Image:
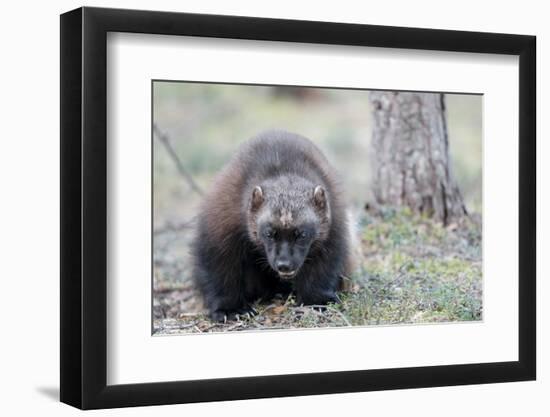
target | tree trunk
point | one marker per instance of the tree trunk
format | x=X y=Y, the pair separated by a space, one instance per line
x=411 y=154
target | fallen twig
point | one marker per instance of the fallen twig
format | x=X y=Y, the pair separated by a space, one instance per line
x=170 y=227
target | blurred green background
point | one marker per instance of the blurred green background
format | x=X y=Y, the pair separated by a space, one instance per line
x=207 y=122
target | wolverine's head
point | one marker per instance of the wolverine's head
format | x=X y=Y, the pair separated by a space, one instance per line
x=285 y=219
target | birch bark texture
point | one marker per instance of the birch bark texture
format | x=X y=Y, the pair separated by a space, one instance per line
x=411 y=164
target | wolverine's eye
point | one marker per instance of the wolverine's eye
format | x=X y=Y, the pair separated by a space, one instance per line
x=300 y=234
x=270 y=234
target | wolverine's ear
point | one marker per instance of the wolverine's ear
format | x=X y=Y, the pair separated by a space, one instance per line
x=257 y=198
x=320 y=197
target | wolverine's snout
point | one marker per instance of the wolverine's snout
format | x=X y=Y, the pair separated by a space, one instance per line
x=283 y=266
x=285 y=269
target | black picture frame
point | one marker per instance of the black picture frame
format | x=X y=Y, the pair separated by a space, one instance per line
x=84 y=207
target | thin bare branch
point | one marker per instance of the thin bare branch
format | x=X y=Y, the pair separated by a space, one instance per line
x=165 y=140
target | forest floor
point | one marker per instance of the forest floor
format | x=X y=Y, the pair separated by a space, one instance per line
x=412 y=270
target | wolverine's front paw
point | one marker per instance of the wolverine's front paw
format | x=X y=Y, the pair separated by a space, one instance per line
x=224 y=315
x=318 y=299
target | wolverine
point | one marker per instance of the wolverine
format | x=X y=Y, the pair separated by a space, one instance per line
x=274 y=222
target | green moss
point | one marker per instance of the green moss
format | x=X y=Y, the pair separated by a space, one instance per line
x=417 y=271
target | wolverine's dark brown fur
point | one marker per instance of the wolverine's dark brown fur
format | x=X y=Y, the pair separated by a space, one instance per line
x=273 y=221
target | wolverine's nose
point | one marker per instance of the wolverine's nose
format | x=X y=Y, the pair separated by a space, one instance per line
x=283 y=266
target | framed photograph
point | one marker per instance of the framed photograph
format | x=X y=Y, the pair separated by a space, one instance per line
x=256 y=208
